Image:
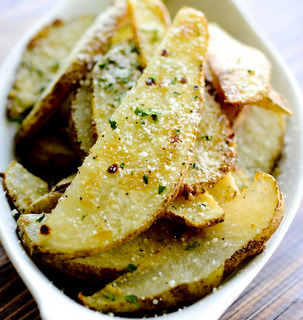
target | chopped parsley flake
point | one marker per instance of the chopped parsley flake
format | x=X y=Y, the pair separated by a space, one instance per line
x=123 y=80
x=101 y=80
x=83 y=216
x=173 y=81
x=103 y=65
x=207 y=138
x=55 y=66
x=130 y=268
x=40 y=218
x=144 y=113
x=134 y=49
x=155 y=117
x=193 y=165
x=176 y=93
x=122 y=165
x=145 y=179
x=113 y=123
x=193 y=246
x=251 y=71
x=155 y=36
x=109 y=296
x=132 y=299
x=108 y=86
x=41 y=190
x=161 y=189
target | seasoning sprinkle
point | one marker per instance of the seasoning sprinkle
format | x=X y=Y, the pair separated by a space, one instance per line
x=145 y=179
x=113 y=123
x=112 y=168
x=161 y=189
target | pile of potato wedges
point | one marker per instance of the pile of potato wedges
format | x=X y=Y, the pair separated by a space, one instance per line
x=144 y=154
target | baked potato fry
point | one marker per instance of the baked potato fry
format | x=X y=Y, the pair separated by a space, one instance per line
x=241 y=73
x=199 y=211
x=150 y=21
x=22 y=187
x=93 y=42
x=276 y=102
x=121 y=188
x=113 y=76
x=260 y=140
x=202 y=262
x=215 y=149
x=80 y=120
x=106 y=265
x=41 y=60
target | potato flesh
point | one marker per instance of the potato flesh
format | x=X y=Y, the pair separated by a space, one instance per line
x=150 y=20
x=180 y=274
x=225 y=190
x=241 y=73
x=260 y=140
x=41 y=60
x=199 y=211
x=80 y=127
x=93 y=42
x=215 y=152
x=101 y=209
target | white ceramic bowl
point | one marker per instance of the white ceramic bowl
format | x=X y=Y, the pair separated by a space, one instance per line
x=53 y=304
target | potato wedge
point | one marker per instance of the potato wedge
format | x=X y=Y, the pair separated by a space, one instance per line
x=113 y=76
x=260 y=140
x=199 y=211
x=121 y=188
x=93 y=42
x=41 y=60
x=214 y=153
x=80 y=120
x=276 y=102
x=241 y=73
x=201 y=263
x=150 y=21
x=106 y=265
x=22 y=188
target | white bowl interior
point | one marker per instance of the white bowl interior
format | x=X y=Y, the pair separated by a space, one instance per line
x=53 y=304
